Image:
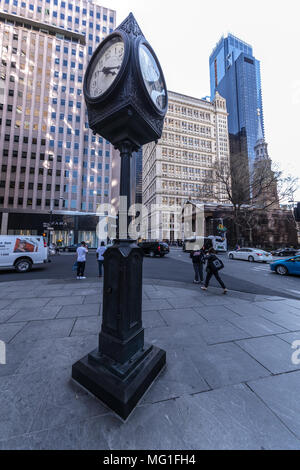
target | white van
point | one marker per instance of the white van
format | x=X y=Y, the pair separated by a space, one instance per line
x=21 y=252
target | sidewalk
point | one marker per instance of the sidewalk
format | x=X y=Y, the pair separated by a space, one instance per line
x=230 y=382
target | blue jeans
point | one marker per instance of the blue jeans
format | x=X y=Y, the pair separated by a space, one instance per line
x=198 y=267
x=100 y=264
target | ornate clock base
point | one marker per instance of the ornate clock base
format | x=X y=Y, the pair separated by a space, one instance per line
x=119 y=386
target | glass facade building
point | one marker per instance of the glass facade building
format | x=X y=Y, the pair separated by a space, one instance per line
x=49 y=159
x=235 y=74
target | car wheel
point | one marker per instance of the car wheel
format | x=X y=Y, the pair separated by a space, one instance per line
x=151 y=254
x=282 y=270
x=251 y=259
x=161 y=256
x=23 y=266
x=231 y=256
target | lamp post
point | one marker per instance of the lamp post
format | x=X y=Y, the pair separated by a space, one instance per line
x=126 y=99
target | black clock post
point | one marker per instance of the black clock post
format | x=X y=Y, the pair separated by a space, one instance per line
x=126 y=98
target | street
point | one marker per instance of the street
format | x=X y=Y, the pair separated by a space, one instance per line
x=240 y=276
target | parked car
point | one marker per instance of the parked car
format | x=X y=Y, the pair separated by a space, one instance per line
x=285 y=252
x=21 y=252
x=251 y=255
x=155 y=248
x=71 y=248
x=286 y=266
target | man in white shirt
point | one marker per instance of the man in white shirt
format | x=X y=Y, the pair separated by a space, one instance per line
x=99 y=253
x=81 y=259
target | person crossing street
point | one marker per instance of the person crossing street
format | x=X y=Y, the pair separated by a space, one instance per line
x=214 y=265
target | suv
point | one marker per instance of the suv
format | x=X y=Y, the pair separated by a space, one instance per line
x=154 y=248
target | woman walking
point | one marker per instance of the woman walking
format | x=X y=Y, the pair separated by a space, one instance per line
x=214 y=264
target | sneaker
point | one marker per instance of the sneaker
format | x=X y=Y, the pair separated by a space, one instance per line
x=204 y=288
x=196 y=282
x=225 y=291
x=83 y=277
x=78 y=277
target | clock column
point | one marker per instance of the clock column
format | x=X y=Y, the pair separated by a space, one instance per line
x=123 y=367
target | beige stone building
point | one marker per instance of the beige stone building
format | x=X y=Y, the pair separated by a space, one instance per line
x=181 y=166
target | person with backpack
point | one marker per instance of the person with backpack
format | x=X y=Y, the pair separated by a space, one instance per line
x=198 y=258
x=214 y=265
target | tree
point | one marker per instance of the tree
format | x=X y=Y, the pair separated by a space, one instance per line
x=250 y=191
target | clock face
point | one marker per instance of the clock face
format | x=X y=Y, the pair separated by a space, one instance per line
x=152 y=77
x=107 y=67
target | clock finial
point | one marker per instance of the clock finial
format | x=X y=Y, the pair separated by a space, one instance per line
x=130 y=26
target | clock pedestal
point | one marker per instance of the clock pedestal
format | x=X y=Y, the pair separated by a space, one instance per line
x=121 y=370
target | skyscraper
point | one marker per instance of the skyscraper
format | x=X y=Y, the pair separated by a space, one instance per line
x=235 y=74
x=49 y=159
x=180 y=167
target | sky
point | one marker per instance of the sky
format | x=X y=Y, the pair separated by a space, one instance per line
x=183 y=34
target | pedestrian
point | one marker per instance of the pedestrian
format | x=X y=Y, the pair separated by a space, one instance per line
x=99 y=254
x=198 y=259
x=82 y=250
x=214 y=265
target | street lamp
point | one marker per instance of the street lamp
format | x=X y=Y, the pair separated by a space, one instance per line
x=126 y=98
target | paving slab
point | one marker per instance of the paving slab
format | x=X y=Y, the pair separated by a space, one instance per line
x=9 y=331
x=15 y=355
x=225 y=364
x=156 y=304
x=85 y=310
x=231 y=418
x=293 y=303
x=288 y=321
x=4 y=304
x=187 y=301
x=170 y=337
x=181 y=376
x=28 y=314
x=250 y=309
x=69 y=300
x=42 y=329
x=30 y=302
x=7 y=313
x=290 y=337
x=185 y=316
x=92 y=299
x=221 y=332
x=55 y=352
x=215 y=313
x=153 y=319
x=87 y=326
x=257 y=326
x=280 y=306
x=271 y=352
x=65 y=402
x=281 y=395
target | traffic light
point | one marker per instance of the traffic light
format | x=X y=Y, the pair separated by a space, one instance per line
x=297 y=212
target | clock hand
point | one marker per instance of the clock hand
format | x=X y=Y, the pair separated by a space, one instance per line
x=107 y=70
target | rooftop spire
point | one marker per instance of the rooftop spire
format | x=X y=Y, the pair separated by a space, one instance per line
x=260 y=135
